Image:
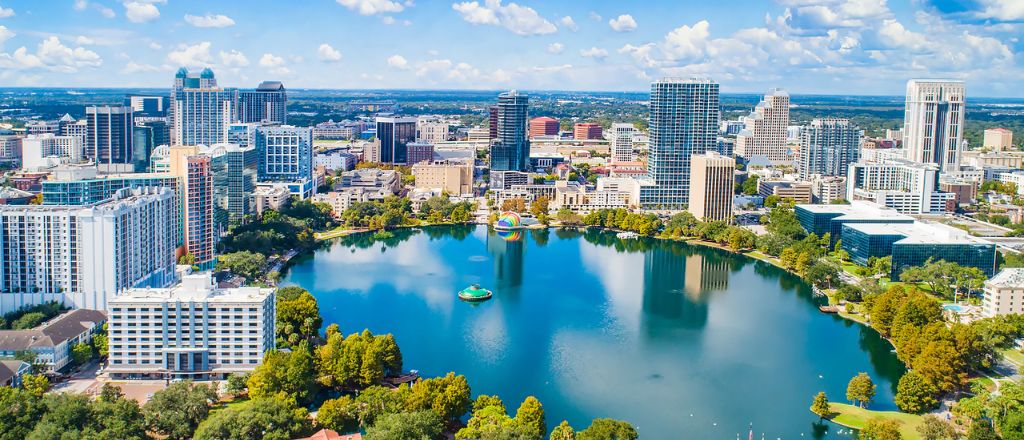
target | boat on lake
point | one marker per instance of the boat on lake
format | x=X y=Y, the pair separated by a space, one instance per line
x=475 y=293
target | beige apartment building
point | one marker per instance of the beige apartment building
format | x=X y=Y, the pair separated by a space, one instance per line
x=1004 y=293
x=765 y=129
x=998 y=139
x=711 y=186
x=454 y=177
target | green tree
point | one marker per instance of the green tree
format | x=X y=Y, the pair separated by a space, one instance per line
x=236 y=384
x=1011 y=426
x=563 y=432
x=177 y=410
x=291 y=373
x=21 y=411
x=879 y=428
x=934 y=428
x=267 y=419
x=35 y=384
x=419 y=425
x=81 y=353
x=245 y=263
x=377 y=401
x=914 y=394
x=341 y=414
x=608 y=429
x=110 y=393
x=539 y=206
x=298 y=317
x=28 y=320
x=861 y=390
x=820 y=405
x=448 y=396
x=981 y=430
x=100 y=342
x=530 y=415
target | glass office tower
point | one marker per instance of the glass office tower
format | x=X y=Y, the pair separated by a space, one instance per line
x=510 y=151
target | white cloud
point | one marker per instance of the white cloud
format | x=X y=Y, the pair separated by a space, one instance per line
x=209 y=20
x=197 y=55
x=623 y=23
x=5 y=34
x=595 y=16
x=643 y=55
x=82 y=40
x=140 y=11
x=371 y=7
x=155 y=46
x=594 y=52
x=1002 y=10
x=328 y=53
x=133 y=67
x=6 y=12
x=271 y=60
x=80 y=5
x=233 y=58
x=106 y=12
x=687 y=42
x=556 y=48
x=568 y=23
x=521 y=20
x=398 y=62
x=51 y=55
x=388 y=20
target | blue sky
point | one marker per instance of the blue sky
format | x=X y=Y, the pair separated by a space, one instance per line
x=806 y=46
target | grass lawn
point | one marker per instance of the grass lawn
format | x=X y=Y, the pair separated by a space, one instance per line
x=851 y=416
x=222 y=405
x=985 y=382
x=1014 y=356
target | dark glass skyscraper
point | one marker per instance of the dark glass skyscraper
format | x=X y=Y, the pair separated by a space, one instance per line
x=511 y=150
x=684 y=116
x=395 y=134
x=268 y=103
x=109 y=134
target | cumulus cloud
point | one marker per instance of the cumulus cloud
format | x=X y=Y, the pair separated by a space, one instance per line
x=82 y=40
x=687 y=42
x=233 y=58
x=6 y=12
x=5 y=34
x=556 y=48
x=521 y=20
x=197 y=55
x=623 y=23
x=141 y=11
x=209 y=20
x=327 y=53
x=372 y=7
x=275 y=64
x=134 y=67
x=594 y=52
x=1002 y=10
x=568 y=23
x=51 y=54
x=398 y=62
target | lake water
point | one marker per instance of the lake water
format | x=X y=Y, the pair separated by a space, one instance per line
x=685 y=342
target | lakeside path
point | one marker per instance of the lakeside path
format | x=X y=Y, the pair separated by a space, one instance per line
x=852 y=416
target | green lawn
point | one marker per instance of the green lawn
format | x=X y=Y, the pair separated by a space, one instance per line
x=851 y=416
x=1014 y=356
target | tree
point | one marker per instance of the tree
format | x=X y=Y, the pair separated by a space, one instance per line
x=419 y=425
x=820 y=405
x=934 y=428
x=539 y=206
x=563 y=432
x=100 y=342
x=177 y=410
x=861 y=389
x=1011 y=426
x=245 y=263
x=981 y=430
x=608 y=429
x=35 y=384
x=28 y=320
x=879 y=428
x=110 y=393
x=21 y=411
x=448 y=396
x=914 y=394
x=291 y=373
x=236 y=383
x=298 y=317
x=81 y=353
x=267 y=419
x=566 y=217
x=822 y=272
x=530 y=415
x=341 y=414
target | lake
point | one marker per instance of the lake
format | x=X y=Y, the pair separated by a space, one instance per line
x=682 y=341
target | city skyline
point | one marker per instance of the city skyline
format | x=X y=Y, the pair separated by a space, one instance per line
x=870 y=47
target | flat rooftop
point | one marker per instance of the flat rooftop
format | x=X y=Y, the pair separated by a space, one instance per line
x=1009 y=277
x=858 y=210
x=920 y=233
x=193 y=288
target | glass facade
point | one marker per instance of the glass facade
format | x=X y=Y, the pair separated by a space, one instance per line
x=862 y=246
x=510 y=151
x=109 y=136
x=285 y=153
x=982 y=256
x=268 y=103
x=234 y=181
x=395 y=135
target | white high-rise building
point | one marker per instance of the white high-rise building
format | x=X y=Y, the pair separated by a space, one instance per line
x=934 y=122
x=431 y=130
x=622 y=142
x=194 y=330
x=908 y=187
x=44 y=151
x=84 y=255
x=766 y=129
x=828 y=146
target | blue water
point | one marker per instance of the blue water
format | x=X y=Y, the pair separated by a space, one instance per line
x=682 y=341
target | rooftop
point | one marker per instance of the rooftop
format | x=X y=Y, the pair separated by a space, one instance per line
x=858 y=210
x=919 y=233
x=53 y=332
x=198 y=287
x=1009 y=277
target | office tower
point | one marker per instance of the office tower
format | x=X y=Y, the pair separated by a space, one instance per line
x=147 y=106
x=234 y=181
x=586 y=131
x=907 y=186
x=202 y=116
x=998 y=139
x=200 y=233
x=184 y=79
x=492 y=122
x=285 y=155
x=187 y=330
x=711 y=183
x=622 y=142
x=10 y=149
x=143 y=145
x=510 y=151
x=430 y=130
x=43 y=151
x=828 y=147
x=75 y=128
x=934 y=122
x=765 y=129
x=417 y=152
x=46 y=127
x=243 y=134
x=84 y=255
x=544 y=126
x=268 y=103
x=395 y=134
x=684 y=117
x=109 y=138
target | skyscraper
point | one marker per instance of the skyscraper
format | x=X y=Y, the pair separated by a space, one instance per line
x=184 y=79
x=285 y=154
x=622 y=142
x=200 y=228
x=202 y=116
x=268 y=103
x=828 y=146
x=934 y=121
x=395 y=134
x=684 y=117
x=712 y=177
x=234 y=181
x=109 y=139
x=510 y=151
x=147 y=106
x=764 y=132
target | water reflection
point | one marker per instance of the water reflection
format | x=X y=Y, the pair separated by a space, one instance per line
x=506 y=250
x=666 y=303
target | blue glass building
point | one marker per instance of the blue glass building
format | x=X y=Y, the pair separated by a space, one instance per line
x=914 y=244
x=510 y=151
x=822 y=219
x=285 y=155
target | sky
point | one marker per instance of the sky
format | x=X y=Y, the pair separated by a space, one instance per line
x=855 y=47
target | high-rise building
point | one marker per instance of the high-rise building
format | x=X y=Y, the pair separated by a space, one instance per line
x=510 y=151
x=765 y=129
x=711 y=183
x=75 y=128
x=200 y=226
x=934 y=122
x=285 y=155
x=147 y=106
x=109 y=137
x=43 y=151
x=622 y=142
x=453 y=176
x=431 y=130
x=395 y=134
x=684 y=116
x=417 y=152
x=234 y=181
x=82 y=256
x=203 y=116
x=10 y=149
x=998 y=139
x=907 y=186
x=267 y=103
x=243 y=134
x=184 y=79
x=828 y=146
x=586 y=131
x=544 y=126
x=187 y=330
x=492 y=122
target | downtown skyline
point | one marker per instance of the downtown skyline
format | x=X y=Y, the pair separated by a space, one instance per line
x=867 y=47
